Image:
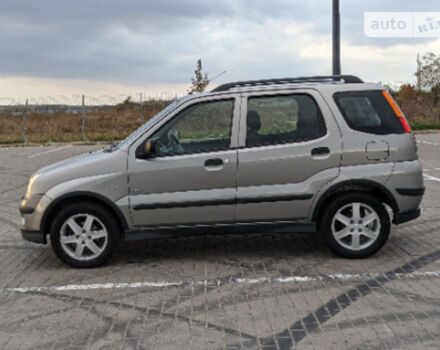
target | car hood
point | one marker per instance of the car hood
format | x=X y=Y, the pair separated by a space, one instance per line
x=86 y=165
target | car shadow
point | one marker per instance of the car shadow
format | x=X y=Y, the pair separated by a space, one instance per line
x=218 y=247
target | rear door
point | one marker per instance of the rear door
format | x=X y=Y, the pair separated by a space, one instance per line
x=290 y=146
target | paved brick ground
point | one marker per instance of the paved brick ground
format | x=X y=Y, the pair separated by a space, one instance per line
x=392 y=304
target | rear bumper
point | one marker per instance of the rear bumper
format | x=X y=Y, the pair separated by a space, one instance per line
x=413 y=192
x=400 y=218
x=33 y=236
x=406 y=185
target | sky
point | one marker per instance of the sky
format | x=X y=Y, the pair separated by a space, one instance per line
x=107 y=49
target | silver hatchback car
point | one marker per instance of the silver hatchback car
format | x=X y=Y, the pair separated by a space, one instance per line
x=330 y=154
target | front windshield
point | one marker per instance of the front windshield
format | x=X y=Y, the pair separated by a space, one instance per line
x=134 y=135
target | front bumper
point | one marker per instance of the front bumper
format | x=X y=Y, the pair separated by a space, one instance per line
x=33 y=236
x=32 y=209
x=25 y=210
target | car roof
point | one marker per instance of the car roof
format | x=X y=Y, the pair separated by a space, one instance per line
x=329 y=84
x=346 y=79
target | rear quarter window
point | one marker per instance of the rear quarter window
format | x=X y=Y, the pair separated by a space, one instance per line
x=369 y=112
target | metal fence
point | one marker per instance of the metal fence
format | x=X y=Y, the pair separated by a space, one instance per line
x=76 y=104
x=81 y=106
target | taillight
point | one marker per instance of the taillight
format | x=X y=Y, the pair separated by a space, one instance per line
x=397 y=111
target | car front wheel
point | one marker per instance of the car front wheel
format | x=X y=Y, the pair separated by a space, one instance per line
x=84 y=235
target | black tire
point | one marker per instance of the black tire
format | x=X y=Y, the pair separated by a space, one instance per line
x=344 y=200
x=108 y=221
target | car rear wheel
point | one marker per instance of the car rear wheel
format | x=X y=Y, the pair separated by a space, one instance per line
x=84 y=235
x=356 y=225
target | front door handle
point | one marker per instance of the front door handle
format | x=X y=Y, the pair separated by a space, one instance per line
x=213 y=162
x=320 y=151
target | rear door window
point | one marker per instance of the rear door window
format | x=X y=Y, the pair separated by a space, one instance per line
x=369 y=112
x=280 y=119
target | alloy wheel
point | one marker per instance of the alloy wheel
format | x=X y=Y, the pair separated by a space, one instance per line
x=83 y=237
x=356 y=226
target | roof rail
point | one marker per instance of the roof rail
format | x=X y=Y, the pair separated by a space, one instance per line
x=347 y=79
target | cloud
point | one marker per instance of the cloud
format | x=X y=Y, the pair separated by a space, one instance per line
x=142 y=43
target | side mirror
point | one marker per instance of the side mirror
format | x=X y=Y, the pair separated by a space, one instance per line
x=145 y=150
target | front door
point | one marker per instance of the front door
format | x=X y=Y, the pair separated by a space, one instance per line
x=192 y=177
x=290 y=146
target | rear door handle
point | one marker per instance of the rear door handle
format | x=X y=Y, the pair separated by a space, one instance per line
x=214 y=164
x=320 y=151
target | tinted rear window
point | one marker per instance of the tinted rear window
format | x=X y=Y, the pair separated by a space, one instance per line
x=280 y=119
x=368 y=111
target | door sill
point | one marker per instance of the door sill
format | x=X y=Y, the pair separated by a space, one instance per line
x=149 y=232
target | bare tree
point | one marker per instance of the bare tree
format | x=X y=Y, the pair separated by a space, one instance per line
x=200 y=80
x=429 y=75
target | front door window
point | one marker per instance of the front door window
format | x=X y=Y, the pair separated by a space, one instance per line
x=202 y=127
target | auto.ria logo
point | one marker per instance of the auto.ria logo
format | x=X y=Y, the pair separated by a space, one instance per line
x=402 y=24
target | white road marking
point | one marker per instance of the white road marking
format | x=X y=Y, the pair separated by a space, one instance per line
x=22 y=147
x=218 y=282
x=431 y=178
x=428 y=143
x=48 y=151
